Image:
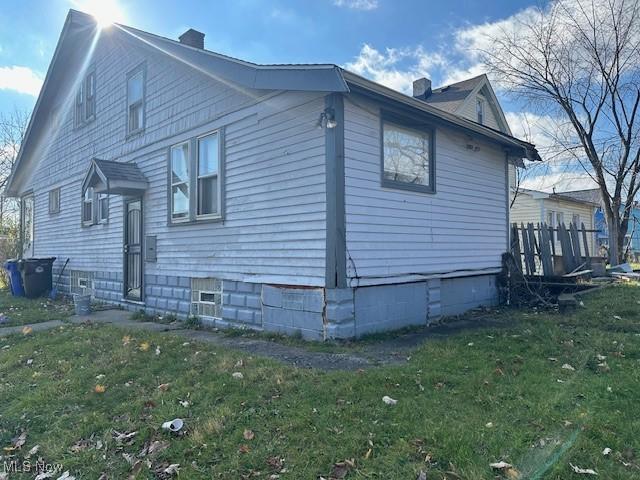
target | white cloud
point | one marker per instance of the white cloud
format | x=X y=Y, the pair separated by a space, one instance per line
x=357 y=4
x=395 y=68
x=20 y=79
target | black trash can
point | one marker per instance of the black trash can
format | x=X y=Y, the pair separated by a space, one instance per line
x=37 y=277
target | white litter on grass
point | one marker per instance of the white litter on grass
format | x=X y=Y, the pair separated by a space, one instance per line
x=602 y=358
x=583 y=471
x=500 y=465
x=237 y=375
x=606 y=451
x=566 y=366
x=157 y=350
x=389 y=401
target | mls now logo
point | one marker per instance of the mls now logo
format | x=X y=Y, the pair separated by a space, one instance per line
x=26 y=466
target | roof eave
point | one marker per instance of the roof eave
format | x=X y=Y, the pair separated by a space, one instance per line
x=513 y=145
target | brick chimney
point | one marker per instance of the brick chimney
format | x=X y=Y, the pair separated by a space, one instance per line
x=421 y=88
x=193 y=38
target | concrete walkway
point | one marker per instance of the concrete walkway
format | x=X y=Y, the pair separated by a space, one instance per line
x=397 y=349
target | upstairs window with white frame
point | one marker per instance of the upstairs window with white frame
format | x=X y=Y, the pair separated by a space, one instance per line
x=136 y=100
x=195 y=180
x=208 y=189
x=480 y=110
x=85 y=110
x=54 y=201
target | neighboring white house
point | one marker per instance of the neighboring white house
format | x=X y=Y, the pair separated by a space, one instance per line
x=290 y=198
x=531 y=206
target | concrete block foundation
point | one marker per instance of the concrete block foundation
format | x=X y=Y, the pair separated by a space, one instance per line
x=313 y=313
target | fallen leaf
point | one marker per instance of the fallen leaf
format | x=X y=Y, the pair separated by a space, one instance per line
x=237 y=375
x=248 y=434
x=341 y=469
x=157 y=350
x=43 y=476
x=275 y=463
x=144 y=346
x=389 y=401
x=566 y=366
x=583 y=471
x=157 y=446
x=489 y=425
x=163 y=387
x=500 y=465
x=421 y=476
x=126 y=340
x=243 y=448
x=27 y=330
x=617 y=317
x=100 y=389
x=125 y=438
x=172 y=469
x=66 y=476
x=33 y=451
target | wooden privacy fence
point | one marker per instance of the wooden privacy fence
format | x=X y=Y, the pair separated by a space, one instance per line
x=548 y=251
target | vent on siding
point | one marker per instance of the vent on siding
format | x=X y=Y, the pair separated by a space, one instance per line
x=206 y=297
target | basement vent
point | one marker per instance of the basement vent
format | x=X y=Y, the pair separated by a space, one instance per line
x=206 y=297
x=81 y=282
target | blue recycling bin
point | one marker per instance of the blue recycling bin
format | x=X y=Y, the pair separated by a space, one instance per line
x=15 y=278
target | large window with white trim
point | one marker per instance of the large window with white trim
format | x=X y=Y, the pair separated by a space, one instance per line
x=196 y=179
x=135 y=100
x=208 y=189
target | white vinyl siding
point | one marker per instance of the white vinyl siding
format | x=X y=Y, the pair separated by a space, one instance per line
x=274 y=175
x=395 y=234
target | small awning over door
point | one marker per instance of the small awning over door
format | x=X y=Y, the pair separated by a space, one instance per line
x=115 y=178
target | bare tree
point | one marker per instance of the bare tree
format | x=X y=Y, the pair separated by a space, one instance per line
x=13 y=126
x=579 y=61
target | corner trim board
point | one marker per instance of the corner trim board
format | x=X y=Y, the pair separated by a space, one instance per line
x=336 y=257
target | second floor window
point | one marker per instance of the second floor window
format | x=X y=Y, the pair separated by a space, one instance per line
x=86 y=100
x=480 y=110
x=135 y=100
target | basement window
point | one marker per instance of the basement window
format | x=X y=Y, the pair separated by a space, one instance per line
x=81 y=282
x=206 y=297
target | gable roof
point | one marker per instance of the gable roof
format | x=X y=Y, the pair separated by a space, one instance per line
x=454 y=98
x=586 y=199
x=80 y=31
x=450 y=98
x=591 y=195
x=118 y=178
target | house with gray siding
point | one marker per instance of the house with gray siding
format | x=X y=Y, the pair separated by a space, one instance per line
x=290 y=198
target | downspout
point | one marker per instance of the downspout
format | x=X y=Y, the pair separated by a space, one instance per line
x=508 y=200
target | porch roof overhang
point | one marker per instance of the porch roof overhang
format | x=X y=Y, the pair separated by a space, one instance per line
x=114 y=178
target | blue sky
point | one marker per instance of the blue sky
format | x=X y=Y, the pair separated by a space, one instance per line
x=390 y=41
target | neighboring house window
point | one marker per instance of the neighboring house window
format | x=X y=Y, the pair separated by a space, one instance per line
x=575 y=219
x=480 y=110
x=208 y=188
x=196 y=179
x=87 y=206
x=86 y=99
x=135 y=100
x=551 y=222
x=103 y=208
x=27 y=212
x=180 y=182
x=54 y=200
x=407 y=157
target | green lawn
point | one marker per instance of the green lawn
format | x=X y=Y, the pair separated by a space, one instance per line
x=20 y=310
x=463 y=402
